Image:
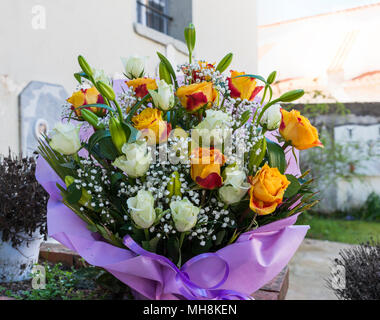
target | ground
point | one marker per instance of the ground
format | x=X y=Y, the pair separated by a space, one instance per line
x=309 y=269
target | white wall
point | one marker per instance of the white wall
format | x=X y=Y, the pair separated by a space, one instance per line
x=225 y=26
x=100 y=30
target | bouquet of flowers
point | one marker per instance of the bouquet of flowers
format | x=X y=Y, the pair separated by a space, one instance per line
x=183 y=186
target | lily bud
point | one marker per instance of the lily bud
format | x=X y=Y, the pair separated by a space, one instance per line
x=106 y=90
x=272 y=77
x=190 y=37
x=118 y=136
x=291 y=96
x=224 y=63
x=85 y=66
x=91 y=118
x=164 y=73
x=174 y=185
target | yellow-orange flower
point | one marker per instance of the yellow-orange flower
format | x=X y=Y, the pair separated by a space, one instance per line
x=152 y=126
x=267 y=190
x=85 y=97
x=196 y=95
x=205 y=167
x=142 y=85
x=298 y=130
x=243 y=87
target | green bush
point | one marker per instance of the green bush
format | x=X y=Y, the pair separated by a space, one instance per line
x=371 y=208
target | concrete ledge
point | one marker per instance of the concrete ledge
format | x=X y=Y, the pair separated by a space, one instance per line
x=159 y=37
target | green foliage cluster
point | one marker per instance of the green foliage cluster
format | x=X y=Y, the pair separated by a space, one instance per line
x=62 y=283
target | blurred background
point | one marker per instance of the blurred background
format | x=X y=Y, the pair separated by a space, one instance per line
x=327 y=47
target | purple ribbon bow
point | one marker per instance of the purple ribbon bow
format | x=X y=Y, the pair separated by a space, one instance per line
x=189 y=289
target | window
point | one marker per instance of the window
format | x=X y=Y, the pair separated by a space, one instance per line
x=153 y=14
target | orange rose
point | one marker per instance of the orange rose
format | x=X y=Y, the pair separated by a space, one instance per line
x=298 y=130
x=195 y=96
x=142 y=85
x=205 y=167
x=150 y=123
x=85 y=97
x=243 y=87
x=267 y=190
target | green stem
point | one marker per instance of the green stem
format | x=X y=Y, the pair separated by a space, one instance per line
x=118 y=108
x=181 y=239
x=146 y=232
x=286 y=144
x=136 y=106
x=265 y=93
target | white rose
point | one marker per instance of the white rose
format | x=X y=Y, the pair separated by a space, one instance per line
x=272 y=117
x=230 y=195
x=142 y=209
x=136 y=159
x=234 y=176
x=185 y=214
x=134 y=66
x=65 y=138
x=164 y=98
x=235 y=185
x=214 y=128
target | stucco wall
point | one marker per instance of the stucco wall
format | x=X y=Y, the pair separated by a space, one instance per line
x=227 y=26
x=100 y=30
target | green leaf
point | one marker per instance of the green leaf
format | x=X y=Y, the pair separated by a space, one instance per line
x=173 y=249
x=69 y=165
x=245 y=117
x=96 y=137
x=97 y=105
x=169 y=67
x=92 y=228
x=293 y=188
x=255 y=76
x=107 y=149
x=276 y=156
x=73 y=194
x=79 y=75
x=219 y=237
x=135 y=107
x=130 y=131
x=116 y=177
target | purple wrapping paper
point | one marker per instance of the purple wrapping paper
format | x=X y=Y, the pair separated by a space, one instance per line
x=255 y=259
